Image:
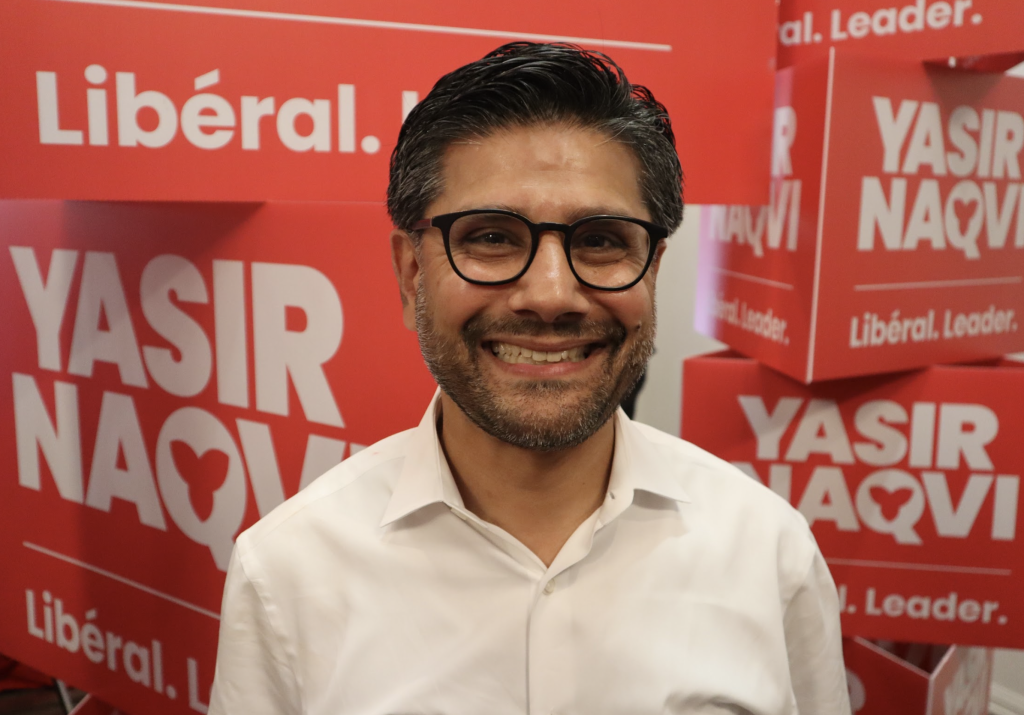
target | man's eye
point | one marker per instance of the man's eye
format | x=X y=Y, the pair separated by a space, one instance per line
x=490 y=237
x=600 y=240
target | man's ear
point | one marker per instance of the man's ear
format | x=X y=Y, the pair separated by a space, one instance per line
x=405 y=262
x=656 y=263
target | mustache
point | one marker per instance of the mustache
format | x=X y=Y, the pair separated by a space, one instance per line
x=595 y=331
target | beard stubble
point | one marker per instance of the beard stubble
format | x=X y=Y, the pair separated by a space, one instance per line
x=455 y=365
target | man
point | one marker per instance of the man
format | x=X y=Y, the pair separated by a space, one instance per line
x=528 y=549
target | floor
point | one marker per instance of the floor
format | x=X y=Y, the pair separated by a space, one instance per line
x=38 y=701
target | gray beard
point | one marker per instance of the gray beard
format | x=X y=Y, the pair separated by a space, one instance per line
x=456 y=368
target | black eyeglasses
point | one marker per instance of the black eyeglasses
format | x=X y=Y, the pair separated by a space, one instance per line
x=493 y=247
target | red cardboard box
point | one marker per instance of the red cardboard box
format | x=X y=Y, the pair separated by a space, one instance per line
x=895 y=235
x=887 y=678
x=907 y=29
x=170 y=373
x=911 y=485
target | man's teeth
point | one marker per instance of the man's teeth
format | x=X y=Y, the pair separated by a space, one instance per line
x=515 y=354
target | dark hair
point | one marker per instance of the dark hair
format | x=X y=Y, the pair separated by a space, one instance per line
x=522 y=84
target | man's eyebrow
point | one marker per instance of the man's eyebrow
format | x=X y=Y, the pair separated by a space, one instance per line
x=597 y=210
x=574 y=215
x=495 y=206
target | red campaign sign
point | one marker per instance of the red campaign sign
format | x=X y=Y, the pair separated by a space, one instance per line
x=242 y=100
x=908 y=29
x=894 y=238
x=911 y=485
x=173 y=372
x=888 y=678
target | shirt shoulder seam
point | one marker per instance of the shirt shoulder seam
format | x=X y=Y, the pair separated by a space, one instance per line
x=806 y=572
x=269 y=524
x=248 y=559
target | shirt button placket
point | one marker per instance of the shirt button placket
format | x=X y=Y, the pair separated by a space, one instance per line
x=551 y=659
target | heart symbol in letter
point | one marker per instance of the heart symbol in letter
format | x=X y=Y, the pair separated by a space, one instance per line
x=204 y=475
x=891 y=502
x=965 y=211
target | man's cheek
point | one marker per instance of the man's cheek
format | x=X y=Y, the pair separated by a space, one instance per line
x=634 y=315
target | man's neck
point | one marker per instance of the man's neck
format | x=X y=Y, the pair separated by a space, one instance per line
x=540 y=498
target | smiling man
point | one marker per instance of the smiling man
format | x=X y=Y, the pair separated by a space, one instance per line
x=528 y=548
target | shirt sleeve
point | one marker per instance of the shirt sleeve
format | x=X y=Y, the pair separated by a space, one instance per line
x=814 y=644
x=253 y=675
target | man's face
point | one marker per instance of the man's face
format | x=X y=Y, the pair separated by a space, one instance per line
x=474 y=337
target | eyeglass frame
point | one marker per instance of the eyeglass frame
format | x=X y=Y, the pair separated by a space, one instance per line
x=445 y=222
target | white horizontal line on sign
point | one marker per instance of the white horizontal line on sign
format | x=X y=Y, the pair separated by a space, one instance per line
x=957 y=283
x=755 y=279
x=921 y=567
x=121 y=579
x=377 y=24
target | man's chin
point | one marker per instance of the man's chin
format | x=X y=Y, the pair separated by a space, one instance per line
x=541 y=436
x=546 y=399
x=543 y=418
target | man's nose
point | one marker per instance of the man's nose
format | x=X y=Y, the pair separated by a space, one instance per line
x=549 y=288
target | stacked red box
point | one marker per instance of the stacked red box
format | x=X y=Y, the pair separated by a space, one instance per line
x=911 y=485
x=893 y=242
x=912 y=678
x=910 y=482
x=895 y=235
x=974 y=33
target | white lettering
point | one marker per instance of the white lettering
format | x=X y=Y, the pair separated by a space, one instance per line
x=188 y=375
x=820 y=431
x=965 y=430
x=129 y=104
x=101 y=295
x=893 y=129
x=300 y=354
x=319 y=110
x=768 y=427
x=47 y=302
x=119 y=435
x=49 y=119
x=201 y=432
x=58 y=439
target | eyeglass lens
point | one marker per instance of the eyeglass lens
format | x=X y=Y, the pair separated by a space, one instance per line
x=608 y=253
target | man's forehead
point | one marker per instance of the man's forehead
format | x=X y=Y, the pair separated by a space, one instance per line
x=579 y=171
x=555 y=141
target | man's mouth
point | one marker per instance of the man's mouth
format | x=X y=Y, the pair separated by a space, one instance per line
x=515 y=354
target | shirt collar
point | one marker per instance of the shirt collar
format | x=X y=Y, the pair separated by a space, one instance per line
x=643 y=464
x=425 y=478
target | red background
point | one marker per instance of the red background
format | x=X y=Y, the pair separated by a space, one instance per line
x=377 y=377
x=716 y=82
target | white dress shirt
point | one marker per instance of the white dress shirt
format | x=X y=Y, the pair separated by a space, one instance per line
x=374 y=591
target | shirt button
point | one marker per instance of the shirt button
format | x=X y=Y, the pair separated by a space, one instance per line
x=549 y=587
